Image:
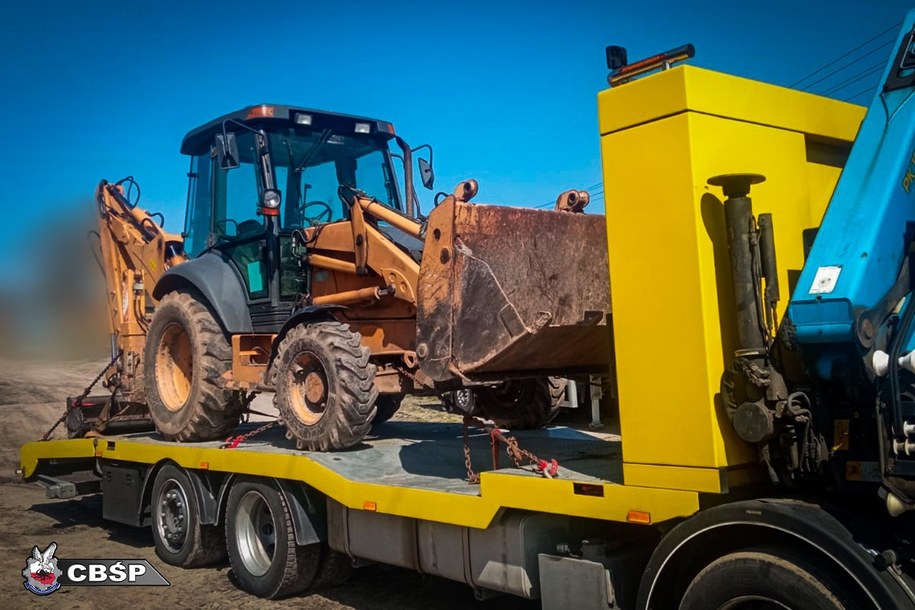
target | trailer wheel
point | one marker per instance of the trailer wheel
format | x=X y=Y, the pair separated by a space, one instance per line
x=762 y=578
x=336 y=568
x=386 y=406
x=181 y=540
x=325 y=386
x=522 y=404
x=185 y=356
x=260 y=538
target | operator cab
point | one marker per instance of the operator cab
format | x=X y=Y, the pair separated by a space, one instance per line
x=307 y=155
x=259 y=174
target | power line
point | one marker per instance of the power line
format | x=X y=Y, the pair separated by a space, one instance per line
x=863 y=91
x=853 y=79
x=589 y=189
x=846 y=54
x=844 y=66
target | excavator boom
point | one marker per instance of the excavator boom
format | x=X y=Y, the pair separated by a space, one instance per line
x=135 y=252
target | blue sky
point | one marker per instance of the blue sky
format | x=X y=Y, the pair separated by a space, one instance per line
x=505 y=92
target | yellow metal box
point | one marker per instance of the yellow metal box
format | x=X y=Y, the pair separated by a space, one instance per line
x=662 y=137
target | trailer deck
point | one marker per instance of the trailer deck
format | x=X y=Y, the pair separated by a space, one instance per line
x=412 y=469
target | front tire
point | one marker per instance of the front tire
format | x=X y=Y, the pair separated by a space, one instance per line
x=185 y=357
x=760 y=578
x=325 y=386
x=522 y=404
x=260 y=539
x=181 y=539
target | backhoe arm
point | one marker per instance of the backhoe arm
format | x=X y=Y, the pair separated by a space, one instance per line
x=135 y=252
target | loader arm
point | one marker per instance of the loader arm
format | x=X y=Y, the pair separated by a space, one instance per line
x=135 y=253
x=370 y=250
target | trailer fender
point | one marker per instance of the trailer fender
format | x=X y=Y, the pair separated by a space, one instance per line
x=206 y=486
x=798 y=527
x=214 y=276
x=207 y=490
x=309 y=512
x=307 y=507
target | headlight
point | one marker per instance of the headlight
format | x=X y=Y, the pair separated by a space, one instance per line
x=271 y=199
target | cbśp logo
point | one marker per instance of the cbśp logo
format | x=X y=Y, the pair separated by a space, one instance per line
x=42 y=576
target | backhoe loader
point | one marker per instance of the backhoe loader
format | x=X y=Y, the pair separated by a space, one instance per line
x=305 y=269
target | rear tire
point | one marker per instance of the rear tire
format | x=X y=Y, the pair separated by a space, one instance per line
x=181 y=540
x=325 y=386
x=260 y=538
x=336 y=568
x=386 y=405
x=761 y=578
x=522 y=404
x=185 y=357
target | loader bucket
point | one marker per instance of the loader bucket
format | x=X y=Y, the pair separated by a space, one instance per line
x=512 y=292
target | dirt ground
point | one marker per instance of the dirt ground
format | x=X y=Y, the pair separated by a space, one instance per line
x=31 y=398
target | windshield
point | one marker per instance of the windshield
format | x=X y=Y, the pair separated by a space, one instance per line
x=309 y=166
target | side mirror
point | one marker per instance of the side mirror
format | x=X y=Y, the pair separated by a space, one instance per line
x=227 y=150
x=426 y=175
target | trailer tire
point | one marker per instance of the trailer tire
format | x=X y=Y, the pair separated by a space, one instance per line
x=386 y=406
x=325 y=386
x=755 y=575
x=185 y=356
x=260 y=539
x=180 y=538
x=522 y=404
x=335 y=569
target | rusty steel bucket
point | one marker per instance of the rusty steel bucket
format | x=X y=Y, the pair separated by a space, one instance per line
x=512 y=292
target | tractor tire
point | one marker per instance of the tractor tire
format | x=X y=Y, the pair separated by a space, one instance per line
x=260 y=537
x=186 y=355
x=180 y=538
x=325 y=386
x=386 y=406
x=521 y=404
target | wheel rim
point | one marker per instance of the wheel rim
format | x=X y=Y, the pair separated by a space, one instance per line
x=172 y=517
x=753 y=602
x=463 y=399
x=174 y=367
x=255 y=531
x=308 y=388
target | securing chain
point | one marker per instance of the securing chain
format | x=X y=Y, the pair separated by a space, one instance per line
x=78 y=401
x=472 y=477
x=547 y=468
x=409 y=375
x=234 y=441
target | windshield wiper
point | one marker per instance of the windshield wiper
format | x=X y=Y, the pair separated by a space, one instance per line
x=310 y=153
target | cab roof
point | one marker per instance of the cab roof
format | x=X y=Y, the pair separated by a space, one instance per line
x=197 y=141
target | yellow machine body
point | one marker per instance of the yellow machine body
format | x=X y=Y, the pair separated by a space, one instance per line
x=674 y=324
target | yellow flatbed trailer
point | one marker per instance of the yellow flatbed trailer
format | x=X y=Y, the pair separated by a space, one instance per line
x=678 y=514
x=413 y=470
x=580 y=540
